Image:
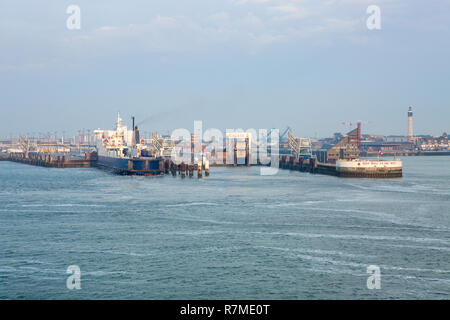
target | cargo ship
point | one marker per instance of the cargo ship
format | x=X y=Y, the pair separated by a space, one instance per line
x=121 y=151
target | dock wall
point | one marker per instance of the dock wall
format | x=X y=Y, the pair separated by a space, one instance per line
x=312 y=166
x=47 y=160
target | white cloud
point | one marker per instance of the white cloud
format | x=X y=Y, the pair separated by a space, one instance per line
x=107 y=28
x=247 y=25
x=288 y=12
x=274 y=21
x=242 y=2
x=219 y=17
x=341 y=25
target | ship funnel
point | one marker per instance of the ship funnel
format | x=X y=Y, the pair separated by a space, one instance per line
x=134 y=132
x=137 y=139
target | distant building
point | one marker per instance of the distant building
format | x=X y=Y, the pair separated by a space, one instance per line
x=396 y=139
x=347 y=148
x=430 y=143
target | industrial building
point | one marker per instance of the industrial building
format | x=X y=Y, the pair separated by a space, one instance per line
x=345 y=149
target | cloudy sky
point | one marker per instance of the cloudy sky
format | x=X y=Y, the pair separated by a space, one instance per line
x=309 y=64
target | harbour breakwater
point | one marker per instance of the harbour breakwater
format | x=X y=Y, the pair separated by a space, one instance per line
x=348 y=169
x=51 y=161
x=167 y=166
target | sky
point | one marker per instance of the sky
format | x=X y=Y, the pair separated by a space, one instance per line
x=308 y=64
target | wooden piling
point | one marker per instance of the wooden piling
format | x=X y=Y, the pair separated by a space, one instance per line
x=183 y=170
x=199 y=170
x=166 y=166
x=206 y=168
x=173 y=169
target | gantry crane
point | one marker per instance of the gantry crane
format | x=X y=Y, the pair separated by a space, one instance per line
x=300 y=146
x=27 y=145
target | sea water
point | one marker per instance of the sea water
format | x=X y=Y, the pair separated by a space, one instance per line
x=233 y=235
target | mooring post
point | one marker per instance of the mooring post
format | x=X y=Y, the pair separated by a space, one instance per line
x=167 y=166
x=199 y=170
x=206 y=167
x=183 y=170
x=173 y=168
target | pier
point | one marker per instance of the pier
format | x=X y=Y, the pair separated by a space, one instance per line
x=312 y=166
x=51 y=161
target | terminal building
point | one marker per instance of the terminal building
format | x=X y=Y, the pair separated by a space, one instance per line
x=345 y=149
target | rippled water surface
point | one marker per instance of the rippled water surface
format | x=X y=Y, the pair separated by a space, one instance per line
x=235 y=234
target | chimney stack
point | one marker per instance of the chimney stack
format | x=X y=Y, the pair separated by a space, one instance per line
x=134 y=133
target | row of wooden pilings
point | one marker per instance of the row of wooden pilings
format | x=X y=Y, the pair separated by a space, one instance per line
x=47 y=160
x=298 y=164
x=185 y=169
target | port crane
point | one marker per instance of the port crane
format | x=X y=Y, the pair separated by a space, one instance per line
x=282 y=135
x=358 y=123
x=300 y=146
x=156 y=143
x=359 y=126
x=163 y=146
x=27 y=145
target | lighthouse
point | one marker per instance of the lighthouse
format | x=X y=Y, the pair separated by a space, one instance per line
x=410 y=124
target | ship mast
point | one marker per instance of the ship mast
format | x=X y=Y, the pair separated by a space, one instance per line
x=119 y=121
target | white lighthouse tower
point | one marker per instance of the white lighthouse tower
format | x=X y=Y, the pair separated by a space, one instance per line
x=410 y=124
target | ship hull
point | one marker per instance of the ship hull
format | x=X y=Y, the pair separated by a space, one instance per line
x=131 y=166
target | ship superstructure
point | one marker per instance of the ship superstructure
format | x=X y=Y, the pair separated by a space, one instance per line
x=120 y=151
